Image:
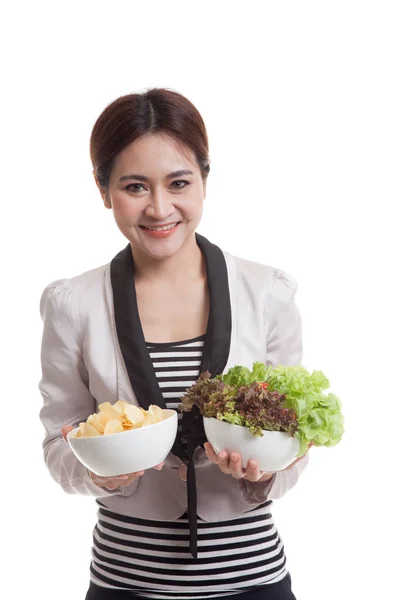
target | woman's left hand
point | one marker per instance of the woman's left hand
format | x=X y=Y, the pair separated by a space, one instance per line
x=231 y=464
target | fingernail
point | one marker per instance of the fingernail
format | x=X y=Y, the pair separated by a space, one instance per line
x=253 y=464
x=234 y=457
x=222 y=456
x=123 y=476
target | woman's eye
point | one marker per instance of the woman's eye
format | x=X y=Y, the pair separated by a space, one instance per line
x=132 y=185
x=181 y=181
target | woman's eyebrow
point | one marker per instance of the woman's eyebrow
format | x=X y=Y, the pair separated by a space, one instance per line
x=143 y=178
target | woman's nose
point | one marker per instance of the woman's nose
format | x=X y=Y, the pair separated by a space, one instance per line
x=159 y=206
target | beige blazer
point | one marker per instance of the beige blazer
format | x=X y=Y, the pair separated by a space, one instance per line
x=83 y=365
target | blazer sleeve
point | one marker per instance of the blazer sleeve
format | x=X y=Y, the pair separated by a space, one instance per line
x=284 y=347
x=64 y=388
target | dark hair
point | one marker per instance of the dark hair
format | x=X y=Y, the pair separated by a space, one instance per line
x=158 y=110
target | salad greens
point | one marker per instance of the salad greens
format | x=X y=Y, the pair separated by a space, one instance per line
x=253 y=406
x=287 y=399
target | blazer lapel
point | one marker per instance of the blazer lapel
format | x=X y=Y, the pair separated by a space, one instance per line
x=219 y=328
x=130 y=333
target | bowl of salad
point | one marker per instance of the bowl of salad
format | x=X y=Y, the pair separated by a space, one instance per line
x=267 y=414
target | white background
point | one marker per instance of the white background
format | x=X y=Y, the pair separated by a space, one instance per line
x=301 y=102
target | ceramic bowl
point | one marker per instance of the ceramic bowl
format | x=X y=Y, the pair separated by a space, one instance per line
x=128 y=451
x=273 y=451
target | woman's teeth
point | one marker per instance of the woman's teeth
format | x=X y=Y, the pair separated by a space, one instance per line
x=165 y=228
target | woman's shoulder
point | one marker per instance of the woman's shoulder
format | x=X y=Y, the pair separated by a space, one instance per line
x=64 y=293
x=262 y=277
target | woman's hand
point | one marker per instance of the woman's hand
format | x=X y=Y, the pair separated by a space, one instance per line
x=114 y=483
x=111 y=483
x=231 y=464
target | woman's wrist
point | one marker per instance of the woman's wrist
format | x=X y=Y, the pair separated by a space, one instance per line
x=99 y=483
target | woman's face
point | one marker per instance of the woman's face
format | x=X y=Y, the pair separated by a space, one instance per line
x=145 y=191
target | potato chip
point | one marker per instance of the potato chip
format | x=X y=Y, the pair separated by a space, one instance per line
x=156 y=411
x=150 y=420
x=90 y=431
x=121 y=416
x=113 y=426
x=126 y=423
x=95 y=422
x=108 y=414
x=105 y=405
x=119 y=406
x=135 y=415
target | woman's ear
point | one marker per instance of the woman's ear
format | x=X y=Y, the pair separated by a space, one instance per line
x=104 y=194
x=106 y=200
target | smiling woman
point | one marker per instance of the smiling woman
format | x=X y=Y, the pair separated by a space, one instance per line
x=170 y=306
x=163 y=136
x=161 y=206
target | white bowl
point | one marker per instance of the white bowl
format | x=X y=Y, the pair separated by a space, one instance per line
x=273 y=451
x=128 y=451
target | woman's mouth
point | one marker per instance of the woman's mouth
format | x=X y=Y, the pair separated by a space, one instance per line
x=161 y=231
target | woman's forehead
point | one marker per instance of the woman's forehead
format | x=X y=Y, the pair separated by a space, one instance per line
x=154 y=154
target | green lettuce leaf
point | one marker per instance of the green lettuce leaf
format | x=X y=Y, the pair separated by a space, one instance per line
x=259 y=373
x=319 y=414
x=236 y=377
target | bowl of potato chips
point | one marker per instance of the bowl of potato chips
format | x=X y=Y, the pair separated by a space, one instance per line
x=122 y=438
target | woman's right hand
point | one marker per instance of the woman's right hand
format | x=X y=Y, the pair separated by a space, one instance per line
x=111 y=483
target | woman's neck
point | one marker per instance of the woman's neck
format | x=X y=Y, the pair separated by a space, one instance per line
x=187 y=264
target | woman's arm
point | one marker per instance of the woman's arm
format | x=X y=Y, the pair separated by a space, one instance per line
x=64 y=388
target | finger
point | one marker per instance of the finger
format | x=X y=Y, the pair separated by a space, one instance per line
x=113 y=485
x=101 y=481
x=159 y=467
x=223 y=462
x=235 y=466
x=252 y=471
x=211 y=455
x=65 y=430
x=119 y=480
x=130 y=475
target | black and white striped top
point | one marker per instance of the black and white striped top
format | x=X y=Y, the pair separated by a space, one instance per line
x=152 y=558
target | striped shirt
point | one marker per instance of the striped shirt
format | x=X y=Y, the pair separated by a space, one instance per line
x=152 y=558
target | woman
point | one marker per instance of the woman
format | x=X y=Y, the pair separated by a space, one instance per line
x=142 y=329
